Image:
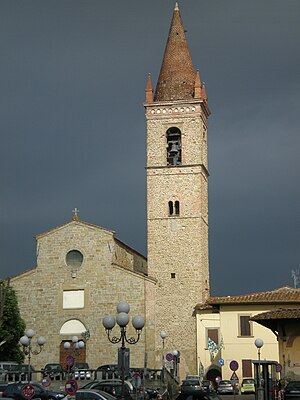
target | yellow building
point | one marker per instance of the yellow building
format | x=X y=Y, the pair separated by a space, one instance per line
x=226 y=332
x=285 y=324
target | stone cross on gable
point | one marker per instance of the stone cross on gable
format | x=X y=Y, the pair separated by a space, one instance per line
x=75 y=212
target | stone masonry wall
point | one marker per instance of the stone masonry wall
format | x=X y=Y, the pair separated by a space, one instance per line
x=178 y=244
x=40 y=292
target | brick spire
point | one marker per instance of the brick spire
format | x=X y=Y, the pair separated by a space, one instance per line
x=177 y=75
x=149 y=90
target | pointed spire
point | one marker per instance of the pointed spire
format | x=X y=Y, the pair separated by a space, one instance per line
x=197 y=91
x=203 y=92
x=177 y=75
x=149 y=90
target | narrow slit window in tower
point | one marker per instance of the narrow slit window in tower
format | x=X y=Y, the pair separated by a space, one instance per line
x=171 y=208
x=173 y=146
x=177 y=207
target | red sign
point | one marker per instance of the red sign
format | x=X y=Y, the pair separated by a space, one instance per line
x=234 y=377
x=169 y=357
x=46 y=381
x=71 y=387
x=69 y=361
x=234 y=365
x=27 y=391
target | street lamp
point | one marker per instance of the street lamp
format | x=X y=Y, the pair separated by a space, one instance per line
x=163 y=335
x=259 y=344
x=77 y=346
x=28 y=350
x=122 y=320
x=176 y=355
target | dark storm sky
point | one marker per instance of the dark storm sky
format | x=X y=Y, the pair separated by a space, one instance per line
x=73 y=75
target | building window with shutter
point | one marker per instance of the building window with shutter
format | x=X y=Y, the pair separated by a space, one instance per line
x=245 y=325
x=247 y=368
x=212 y=334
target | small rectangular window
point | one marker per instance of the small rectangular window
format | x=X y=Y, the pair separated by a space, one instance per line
x=247 y=368
x=245 y=327
x=173 y=275
x=213 y=334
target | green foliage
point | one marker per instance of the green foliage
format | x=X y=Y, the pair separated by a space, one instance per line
x=12 y=325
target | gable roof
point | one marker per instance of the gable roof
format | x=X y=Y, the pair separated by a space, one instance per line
x=74 y=221
x=283 y=295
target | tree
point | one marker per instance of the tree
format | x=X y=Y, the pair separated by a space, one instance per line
x=12 y=325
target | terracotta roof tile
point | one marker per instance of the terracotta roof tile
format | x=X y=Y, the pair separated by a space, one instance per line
x=177 y=74
x=284 y=294
x=288 y=313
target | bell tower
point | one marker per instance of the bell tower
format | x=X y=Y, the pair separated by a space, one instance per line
x=177 y=197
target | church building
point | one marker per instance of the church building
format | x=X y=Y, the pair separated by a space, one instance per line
x=83 y=270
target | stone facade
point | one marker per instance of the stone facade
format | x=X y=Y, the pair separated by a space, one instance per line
x=110 y=272
x=178 y=244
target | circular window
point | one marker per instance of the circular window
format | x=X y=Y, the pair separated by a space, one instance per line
x=74 y=258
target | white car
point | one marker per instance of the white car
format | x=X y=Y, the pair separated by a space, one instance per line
x=82 y=371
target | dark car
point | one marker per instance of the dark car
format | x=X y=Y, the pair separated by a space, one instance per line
x=115 y=389
x=199 y=395
x=207 y=386
x=2 y=388
x=108 y=371
x=292 y=390
x=54 y=371
x=93 y=394
x=14 y=391
x=227 y=387
x=190 y=386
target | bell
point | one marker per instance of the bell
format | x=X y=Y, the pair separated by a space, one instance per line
x=174 y=149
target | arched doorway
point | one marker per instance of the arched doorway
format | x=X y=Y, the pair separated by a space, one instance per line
x=71 y=328
x=212 y=373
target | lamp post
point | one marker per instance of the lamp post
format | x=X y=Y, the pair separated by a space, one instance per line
x=77 y=346
x=259 y=344
x=176 y=354
x=28 y=350
x=122 y=320
x=163 y=336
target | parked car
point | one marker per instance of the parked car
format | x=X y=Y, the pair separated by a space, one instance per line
x=292 y=390
x=115 y=389
x=188 y=377
x=108 y=371
x=191 y=386
x=227 y=387
x=207 y=386
x=151 y=393
x=200 y=395
x=82 y=371
x=2 y=388
x=14 y=391
x=95 y=384
x=93 y=394
x=248 y=386
x=54 y=371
